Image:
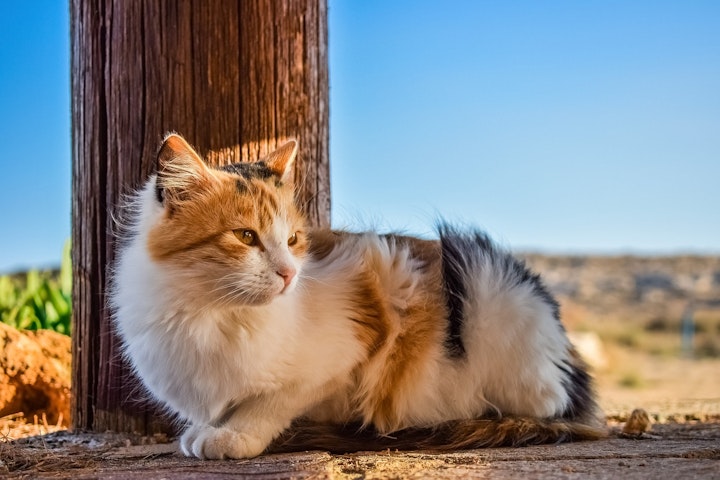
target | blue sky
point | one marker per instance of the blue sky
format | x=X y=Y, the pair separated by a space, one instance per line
x=557 y=126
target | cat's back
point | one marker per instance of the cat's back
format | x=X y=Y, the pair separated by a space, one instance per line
x=449 y=321
x=401 y=269
x=324 y=242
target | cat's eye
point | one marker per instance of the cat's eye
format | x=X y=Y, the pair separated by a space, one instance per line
x=293 y=239
x=248 y=237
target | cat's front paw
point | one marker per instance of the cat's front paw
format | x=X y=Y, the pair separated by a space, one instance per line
x=218 y=443
x=187 y=439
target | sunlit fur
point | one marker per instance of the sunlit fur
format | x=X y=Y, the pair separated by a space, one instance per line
x=345 y=336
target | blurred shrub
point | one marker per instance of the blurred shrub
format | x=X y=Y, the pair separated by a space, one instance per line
x=709 y=347
x=631 y=379
x=662 y=324
x=38 y=300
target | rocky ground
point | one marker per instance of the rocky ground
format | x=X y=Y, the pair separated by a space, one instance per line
x=636 y=290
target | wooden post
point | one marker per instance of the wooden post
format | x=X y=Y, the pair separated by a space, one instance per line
x=236 y=78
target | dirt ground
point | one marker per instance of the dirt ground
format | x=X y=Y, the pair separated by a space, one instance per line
x=677 y=450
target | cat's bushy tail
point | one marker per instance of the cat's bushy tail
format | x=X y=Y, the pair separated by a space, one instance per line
x=508 y=431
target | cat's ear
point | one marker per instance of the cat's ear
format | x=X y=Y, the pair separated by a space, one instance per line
x=280 y=161
x=180 y=170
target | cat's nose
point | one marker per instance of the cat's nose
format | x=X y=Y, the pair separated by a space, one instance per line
x=287 y=274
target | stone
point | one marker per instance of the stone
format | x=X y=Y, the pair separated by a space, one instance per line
x=590 y=347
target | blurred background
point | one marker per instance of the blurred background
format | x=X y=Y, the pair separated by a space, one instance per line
x=583 y=135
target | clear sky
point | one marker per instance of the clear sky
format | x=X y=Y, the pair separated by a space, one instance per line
x=558 y=126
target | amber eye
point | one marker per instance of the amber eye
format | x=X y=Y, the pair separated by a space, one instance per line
x=248 y=237
x=292 y=240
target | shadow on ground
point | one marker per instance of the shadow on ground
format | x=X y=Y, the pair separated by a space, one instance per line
x=689 y=450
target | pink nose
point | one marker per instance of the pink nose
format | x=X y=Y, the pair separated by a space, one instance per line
x=287 y=274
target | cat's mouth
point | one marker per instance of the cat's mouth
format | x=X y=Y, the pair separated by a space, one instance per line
x=269 y=295
x=286 y=289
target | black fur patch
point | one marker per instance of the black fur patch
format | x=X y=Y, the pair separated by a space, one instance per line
x=578 y=384
x=460 y=250
x=241 y=186
x=159 y=192
x=249 y=171
x=454 y=254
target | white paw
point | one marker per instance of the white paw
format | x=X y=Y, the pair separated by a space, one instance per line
x=187 y=439
x=218 y=443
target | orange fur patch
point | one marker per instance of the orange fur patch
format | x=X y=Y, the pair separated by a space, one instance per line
x=200 y=227
x=398 y=341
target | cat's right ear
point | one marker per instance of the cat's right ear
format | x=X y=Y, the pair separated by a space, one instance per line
x=180 y=171
x=280 y=161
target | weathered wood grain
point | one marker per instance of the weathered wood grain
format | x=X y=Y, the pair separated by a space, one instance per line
x=236 y=78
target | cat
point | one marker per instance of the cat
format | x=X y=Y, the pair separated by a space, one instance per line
x=263 y=334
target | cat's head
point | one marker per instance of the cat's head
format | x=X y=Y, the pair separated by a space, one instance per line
x=232 y=235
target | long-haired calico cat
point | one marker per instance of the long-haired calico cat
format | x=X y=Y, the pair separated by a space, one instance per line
x=264 y=334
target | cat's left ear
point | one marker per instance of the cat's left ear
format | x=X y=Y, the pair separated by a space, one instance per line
x=280 y=161
x=181 y=171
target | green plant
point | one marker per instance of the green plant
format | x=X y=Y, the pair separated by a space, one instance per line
x=40 y=300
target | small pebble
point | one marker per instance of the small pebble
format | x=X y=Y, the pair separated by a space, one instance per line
x=638 y=423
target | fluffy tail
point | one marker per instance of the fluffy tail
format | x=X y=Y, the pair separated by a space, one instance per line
x=453 y=435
